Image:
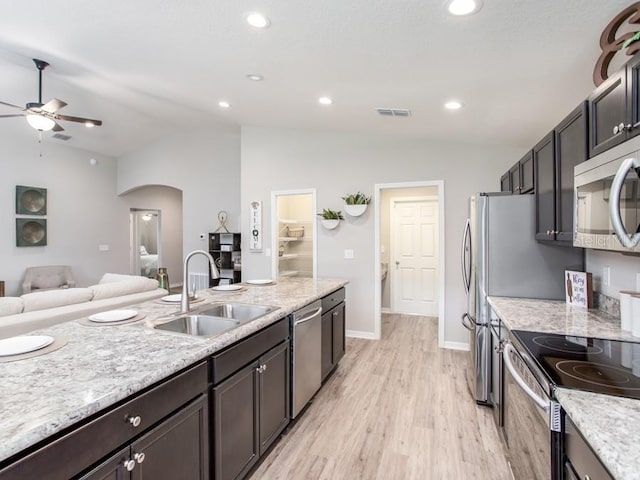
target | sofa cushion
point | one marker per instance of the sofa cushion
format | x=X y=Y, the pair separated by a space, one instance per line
x=10 y=306
x=118 y=277
x=55 y=298
x=127 y=287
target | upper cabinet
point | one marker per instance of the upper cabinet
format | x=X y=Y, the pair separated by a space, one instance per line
x=555 y=156
x=519 y=178
x=613 y=109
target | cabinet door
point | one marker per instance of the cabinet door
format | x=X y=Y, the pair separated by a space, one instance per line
x=274 y=394
x=607 y=109
x=544 y=160
x=633 y=96
x=505 y=183
x=514 y=178
x=177 y=448
x=111 y=469
x=571 y=149
x=327 y=344
x=235 y=424
x=527 y=173
x=338 y=333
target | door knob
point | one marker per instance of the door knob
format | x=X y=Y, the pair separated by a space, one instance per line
x=129 y=465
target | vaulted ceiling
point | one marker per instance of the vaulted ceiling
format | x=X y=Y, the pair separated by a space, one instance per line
x=148 y=68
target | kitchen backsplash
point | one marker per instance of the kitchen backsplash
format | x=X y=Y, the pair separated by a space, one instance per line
x=607 y=304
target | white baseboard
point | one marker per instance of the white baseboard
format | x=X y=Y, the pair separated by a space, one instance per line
x=456 y=346
x=385 y=310
x=359 y=334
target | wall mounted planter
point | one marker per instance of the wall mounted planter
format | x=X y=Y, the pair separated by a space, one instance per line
x=355 y=210
x=330 y=224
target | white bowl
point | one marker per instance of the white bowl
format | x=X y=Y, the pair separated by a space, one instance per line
x=330 y=224
x=355 y=210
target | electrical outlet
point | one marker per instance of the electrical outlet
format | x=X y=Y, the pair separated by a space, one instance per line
x=348 y=253
x=606 y=276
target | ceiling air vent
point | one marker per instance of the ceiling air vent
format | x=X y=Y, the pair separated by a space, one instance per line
x=61 y=136
x=393 y=112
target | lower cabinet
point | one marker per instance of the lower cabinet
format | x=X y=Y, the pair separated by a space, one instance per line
x=250 y=408
x=177 y=448
x=333 y=331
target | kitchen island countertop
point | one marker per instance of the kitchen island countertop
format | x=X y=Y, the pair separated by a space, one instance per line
x=102 y=365
x=610 y=424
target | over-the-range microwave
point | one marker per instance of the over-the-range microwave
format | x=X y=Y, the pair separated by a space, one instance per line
x=607 y=200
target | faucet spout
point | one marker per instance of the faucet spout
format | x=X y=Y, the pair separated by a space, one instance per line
x=184 y=299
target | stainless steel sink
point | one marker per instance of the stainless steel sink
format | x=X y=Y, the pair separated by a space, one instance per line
x=237 y=311
x=201 y=325
x=215 y=319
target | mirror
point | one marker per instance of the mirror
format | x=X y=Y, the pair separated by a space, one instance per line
x=145 y=245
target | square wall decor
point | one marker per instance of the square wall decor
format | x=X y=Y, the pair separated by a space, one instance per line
x=31 y=232
x=31 y=200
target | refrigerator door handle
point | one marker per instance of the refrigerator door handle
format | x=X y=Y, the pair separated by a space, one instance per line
x=463 y=257
x=465 y=322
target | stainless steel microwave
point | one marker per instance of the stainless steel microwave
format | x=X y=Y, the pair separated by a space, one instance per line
x=607 y=200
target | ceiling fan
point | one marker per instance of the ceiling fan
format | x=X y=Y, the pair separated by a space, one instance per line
x=44 y=117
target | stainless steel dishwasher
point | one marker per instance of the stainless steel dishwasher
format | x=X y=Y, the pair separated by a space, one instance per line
x=306 y=358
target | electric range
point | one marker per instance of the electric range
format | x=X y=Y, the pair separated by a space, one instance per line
x=598 y=365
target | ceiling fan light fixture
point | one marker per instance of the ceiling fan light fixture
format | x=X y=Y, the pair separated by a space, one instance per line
x=44 y=124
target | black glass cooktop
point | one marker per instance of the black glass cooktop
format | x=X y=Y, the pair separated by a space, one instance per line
x=585 y=363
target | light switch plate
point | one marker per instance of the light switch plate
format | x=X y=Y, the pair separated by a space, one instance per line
x=103 y=248
x=348 y=253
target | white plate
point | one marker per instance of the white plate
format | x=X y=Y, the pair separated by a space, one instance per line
x=264 y=281
x=176 y=297
x=24 y=344
x=113 y=316
x=227 y=288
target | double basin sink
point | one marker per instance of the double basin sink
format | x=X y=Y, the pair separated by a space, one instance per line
x=215 y=319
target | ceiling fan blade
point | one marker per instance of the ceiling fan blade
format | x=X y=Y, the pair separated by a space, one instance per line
x=11 y=105
x=9 y=116
x=52 y=106
x=68 y=118
x=57 y=128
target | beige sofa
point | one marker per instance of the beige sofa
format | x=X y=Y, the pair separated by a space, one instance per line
x=32 y=311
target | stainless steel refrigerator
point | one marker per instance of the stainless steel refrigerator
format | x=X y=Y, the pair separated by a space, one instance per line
x=500 y=257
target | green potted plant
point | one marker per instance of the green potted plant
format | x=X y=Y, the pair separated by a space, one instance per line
x=355 y=204
x=330 y=218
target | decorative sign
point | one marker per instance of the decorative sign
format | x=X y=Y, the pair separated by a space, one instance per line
x=579 y=290
x=610 y=44
x=255 y=242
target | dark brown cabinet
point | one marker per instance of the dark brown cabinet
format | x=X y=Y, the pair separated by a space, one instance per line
x=555 y=157
x=177 y=448
x=333 y=331
x=614 y=115
x=251 y=406
x=147 y=420
x=520 y=177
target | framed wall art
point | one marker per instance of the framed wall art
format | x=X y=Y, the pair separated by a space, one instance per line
x=31 y=232
x=31 y=200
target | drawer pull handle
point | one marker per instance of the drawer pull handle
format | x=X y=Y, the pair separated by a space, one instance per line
x=139 y=457
x=129 y=465
x=135 y=421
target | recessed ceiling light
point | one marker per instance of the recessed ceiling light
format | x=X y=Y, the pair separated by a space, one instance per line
x=255 y=77
x=453 y=105
x=464 y=7
x=257 y=20
x=325 y=100
x=224 y=104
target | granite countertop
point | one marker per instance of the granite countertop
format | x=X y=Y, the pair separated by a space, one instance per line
x=610 y=424
x=100 y=366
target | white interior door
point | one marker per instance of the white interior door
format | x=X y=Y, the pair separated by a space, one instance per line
x=414 y=262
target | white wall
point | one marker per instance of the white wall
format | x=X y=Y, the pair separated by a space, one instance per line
x=83 y=210
x=169 y=201
x=205 y=165
x=624 y=270
x=337 y=164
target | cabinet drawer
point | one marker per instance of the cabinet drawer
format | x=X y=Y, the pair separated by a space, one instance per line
x=240 y=354
x=81 y=448
x=332 y=300
x=580 y=455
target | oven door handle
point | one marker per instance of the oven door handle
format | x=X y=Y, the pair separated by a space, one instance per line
x=538 y=400
x=627 y=240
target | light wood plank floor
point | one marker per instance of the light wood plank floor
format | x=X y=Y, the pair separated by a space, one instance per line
x=394 y=409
